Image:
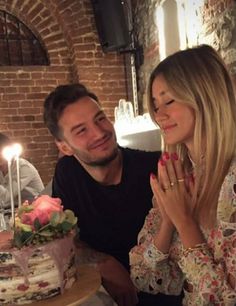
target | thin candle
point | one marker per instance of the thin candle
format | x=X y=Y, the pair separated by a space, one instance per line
x=8 y=154
x=17 y=149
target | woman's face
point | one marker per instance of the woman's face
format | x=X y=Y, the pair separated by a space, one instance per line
x=175 y=119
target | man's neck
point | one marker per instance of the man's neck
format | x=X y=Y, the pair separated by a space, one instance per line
x=109 y=174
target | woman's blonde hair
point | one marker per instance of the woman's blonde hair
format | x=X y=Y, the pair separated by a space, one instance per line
x=199 y=78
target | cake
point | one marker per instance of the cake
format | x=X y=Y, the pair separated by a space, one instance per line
x=37 y=259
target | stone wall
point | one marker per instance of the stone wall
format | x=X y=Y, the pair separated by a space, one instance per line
x=67 y=30
x=218 y=18
x=219 y=29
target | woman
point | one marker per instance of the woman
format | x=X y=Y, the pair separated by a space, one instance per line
x=188 y=240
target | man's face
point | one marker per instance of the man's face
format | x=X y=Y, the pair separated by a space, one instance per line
x=87 y=133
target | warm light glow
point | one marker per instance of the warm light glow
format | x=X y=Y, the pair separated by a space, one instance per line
x=181 y=25
x=12 y=151
x=194 y=24
x=17 y=148
x=8 y=153
x=189 y=22
x=160 y=25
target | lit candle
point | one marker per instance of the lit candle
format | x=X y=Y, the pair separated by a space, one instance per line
x=17 y=149
x=8 y=154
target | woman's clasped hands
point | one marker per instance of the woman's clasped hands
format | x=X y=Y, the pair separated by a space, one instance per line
x=172 y=190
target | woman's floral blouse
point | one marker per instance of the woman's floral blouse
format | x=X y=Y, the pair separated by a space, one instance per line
x=207 y=270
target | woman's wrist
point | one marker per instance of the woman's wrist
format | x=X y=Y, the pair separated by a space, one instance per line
x=163 y=238
x=190 y=233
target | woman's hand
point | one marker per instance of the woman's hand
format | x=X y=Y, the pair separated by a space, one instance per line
x=172 y=191
x=165 y=220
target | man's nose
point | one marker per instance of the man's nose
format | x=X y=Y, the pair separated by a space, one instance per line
x=97 y=130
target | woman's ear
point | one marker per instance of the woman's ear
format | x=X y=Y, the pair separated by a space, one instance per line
x=64 y=148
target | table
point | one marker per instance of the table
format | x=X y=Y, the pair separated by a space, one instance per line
x=88 y=283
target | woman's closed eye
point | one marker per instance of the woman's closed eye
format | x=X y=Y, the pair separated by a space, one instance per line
x=156 y=108
x=170 y=102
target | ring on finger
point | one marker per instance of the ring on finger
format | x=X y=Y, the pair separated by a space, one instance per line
x=180 y=180
x=172 y=184
x=166 y=187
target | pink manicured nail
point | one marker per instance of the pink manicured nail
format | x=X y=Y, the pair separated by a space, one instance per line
x=174 y=156
x=152 y=175
x=166 y=156
x=162 y=162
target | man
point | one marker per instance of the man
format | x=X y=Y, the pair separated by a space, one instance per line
x=30 y=182
x=105 y=185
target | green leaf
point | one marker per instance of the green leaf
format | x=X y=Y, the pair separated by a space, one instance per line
x=70 y=216
x=17 y=240
x=24 y=209
x=37 y=224
x=66 y=226
x=22 y=238
x=62 y=217
x=46 y=233
x=55 y=219
x=27 y=236
x=45 y=227
x=75 y=221
x=25 y=227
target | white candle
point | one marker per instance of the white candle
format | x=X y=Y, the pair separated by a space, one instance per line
x=17 y=149
x=11 y=190
x=8 y=155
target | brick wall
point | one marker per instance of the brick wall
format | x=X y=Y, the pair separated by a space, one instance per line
x=67 y=30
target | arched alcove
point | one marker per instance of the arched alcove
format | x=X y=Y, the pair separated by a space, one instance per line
x=19 y=46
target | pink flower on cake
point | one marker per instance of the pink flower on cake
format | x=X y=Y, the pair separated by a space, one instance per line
x=43 y=207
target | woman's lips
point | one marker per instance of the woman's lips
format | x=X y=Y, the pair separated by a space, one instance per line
x=168 y=127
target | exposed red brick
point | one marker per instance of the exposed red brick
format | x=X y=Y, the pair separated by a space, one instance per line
x=67 y=31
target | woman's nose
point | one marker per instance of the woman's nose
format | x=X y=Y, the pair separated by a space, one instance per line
x=161 y=114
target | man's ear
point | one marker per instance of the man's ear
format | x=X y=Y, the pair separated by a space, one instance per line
x=64 y=148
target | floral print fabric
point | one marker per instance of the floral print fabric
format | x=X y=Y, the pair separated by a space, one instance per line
x=209 y=271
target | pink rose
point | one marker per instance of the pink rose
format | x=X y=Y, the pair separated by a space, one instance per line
x=43 y=206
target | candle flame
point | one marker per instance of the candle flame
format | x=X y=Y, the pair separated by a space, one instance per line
x=8 y=153
x=17 y=148
x=12 y=151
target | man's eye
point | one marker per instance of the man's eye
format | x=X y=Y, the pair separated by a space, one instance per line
x=80 y=131
x=101 y=118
